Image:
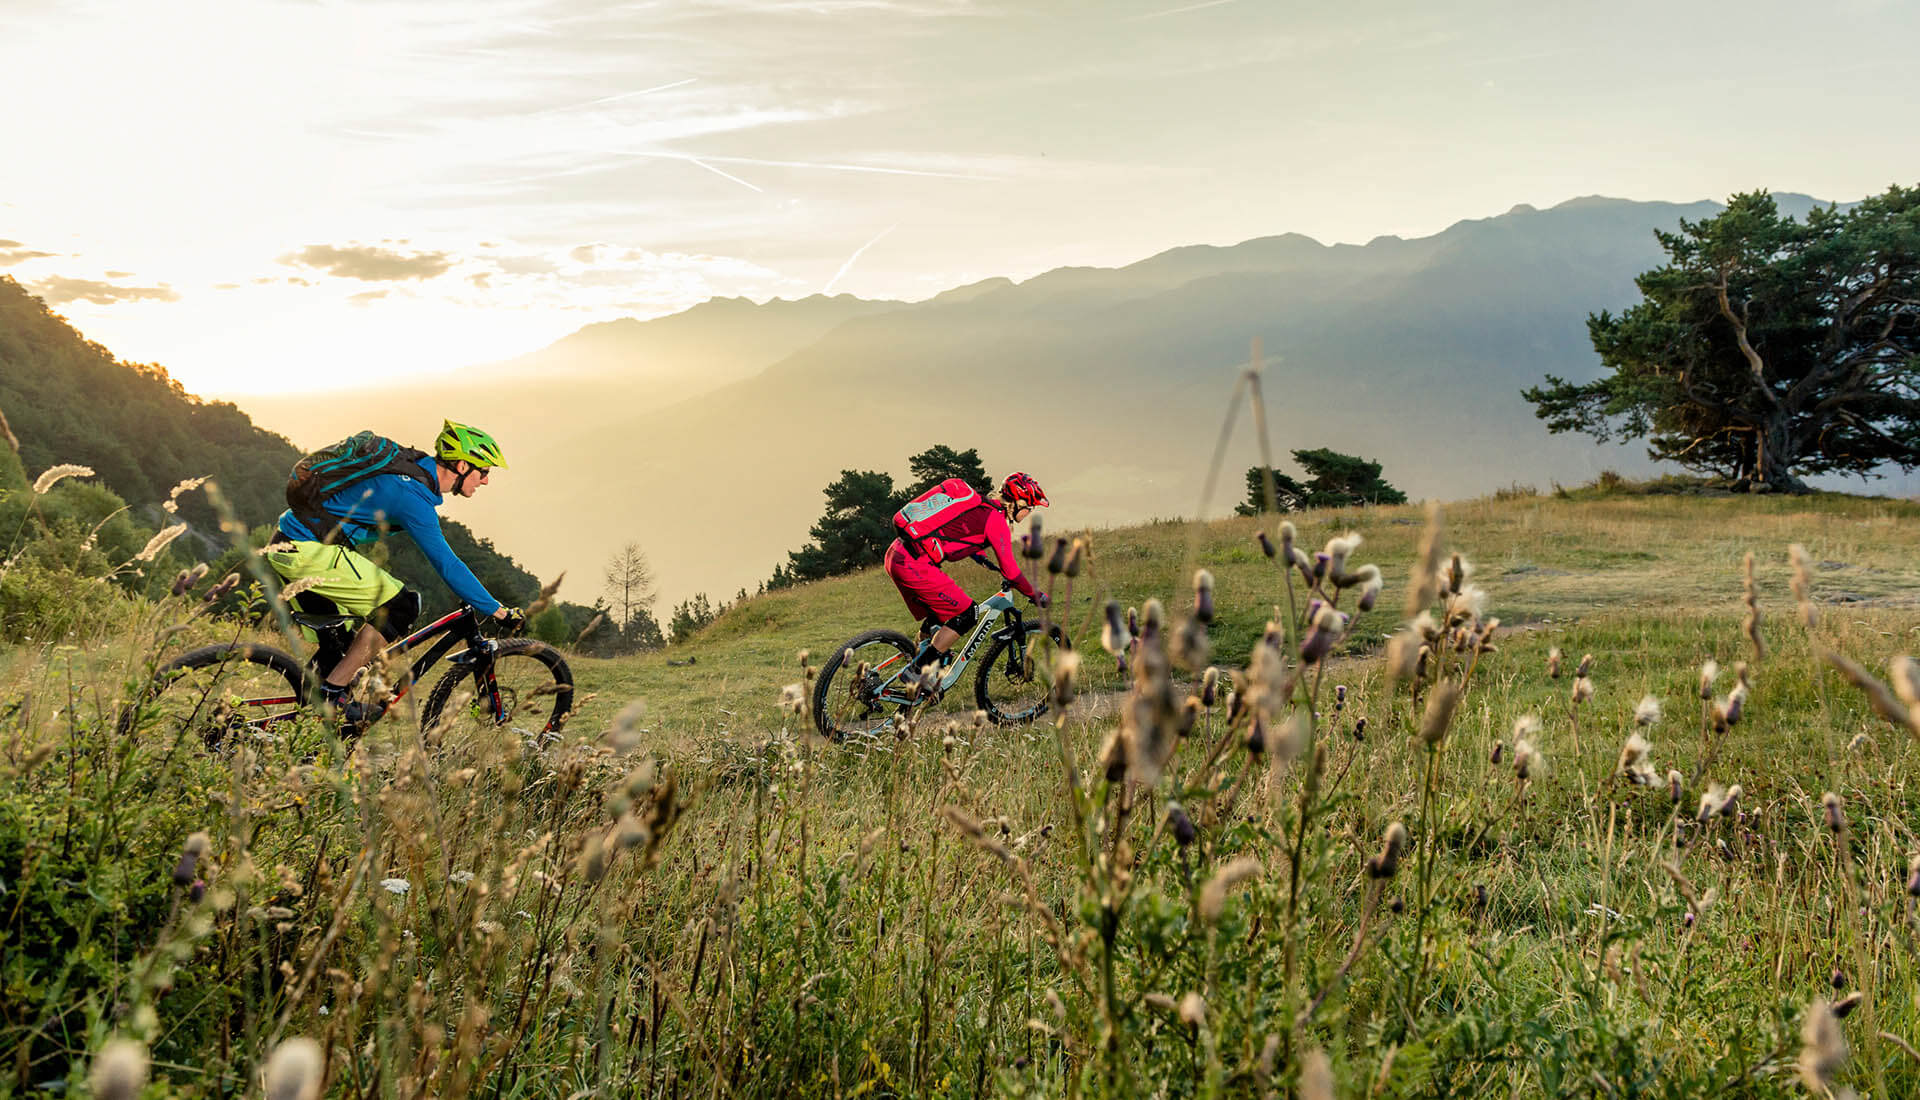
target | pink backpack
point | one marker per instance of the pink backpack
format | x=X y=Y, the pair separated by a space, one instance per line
x=921 y=518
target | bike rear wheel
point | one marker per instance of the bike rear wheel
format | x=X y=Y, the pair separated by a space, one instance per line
x=846 y=697
x=527 y=686
x=221 y=691
x=1013 y=683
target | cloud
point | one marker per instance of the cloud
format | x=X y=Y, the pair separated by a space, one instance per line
x=370 y=263
x=366 y=297
x=59 y=289
x=13 y=252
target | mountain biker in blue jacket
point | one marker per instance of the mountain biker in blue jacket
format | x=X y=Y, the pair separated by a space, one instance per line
x=351 y=584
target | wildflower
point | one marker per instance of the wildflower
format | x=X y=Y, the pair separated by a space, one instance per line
x=1328 y=626
x=1114 y=636
x=1423 y=584
x=1209 y=686
x=54 y=475
x=190 y=856
x=1823 y=1047
x=1288 y=533
x=1526 y=760
x=1213 y=896
x=1076 y=554
x=1634 y=763
x=1674 y=782
x=1750 y=588
x=187 y=578
x=1371 y=584
x=1834 y=812
x=1709 y=672
x=1203 y=596
x=1338 y=551
x=395 y=885
x=1266 y=544
x=1713 y=802
x=1844 y=1007
x=1360 y=728
x=1066 y=677
x=1585 y=667
x=1031 y=543
x=793 y=698
x=1499 y=747
x=172 y=504
x=1439 y=712
x=1913 y=877
x=120 y=1070
x=1554 y=657
x=1057 y=561
x=1392 y=846
x=1193 y=1010
x=296 y=1070
x=1736 y=703
x=1647 y=712
x=1181 y=825
x=1316 y=1075
x=593 y=624
x=1802 y=585
x=1582 y=690
x=159 y=542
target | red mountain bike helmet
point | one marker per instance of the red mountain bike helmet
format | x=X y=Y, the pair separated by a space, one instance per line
x=1020 y=488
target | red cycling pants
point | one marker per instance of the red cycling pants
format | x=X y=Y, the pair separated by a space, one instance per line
x=925 y=586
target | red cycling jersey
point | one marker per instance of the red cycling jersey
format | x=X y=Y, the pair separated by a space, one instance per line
x=928 y=591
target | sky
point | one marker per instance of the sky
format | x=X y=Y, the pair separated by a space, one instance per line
x=283 y=195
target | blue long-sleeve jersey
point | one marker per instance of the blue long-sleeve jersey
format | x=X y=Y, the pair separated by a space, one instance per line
x=404 y=503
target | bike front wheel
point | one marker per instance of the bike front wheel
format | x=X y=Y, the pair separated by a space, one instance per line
x=221 y=691
x=527 y=686
x=1013 y=683
x=846 y=697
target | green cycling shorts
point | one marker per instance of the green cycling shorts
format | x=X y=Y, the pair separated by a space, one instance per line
x=355 y=585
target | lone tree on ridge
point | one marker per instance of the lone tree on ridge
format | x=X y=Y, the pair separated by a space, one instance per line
x=1766 y=349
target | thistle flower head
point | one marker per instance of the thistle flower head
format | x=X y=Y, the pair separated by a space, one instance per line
x=1585 y=666
x=1213 y=896
x=1076 y=557
x=1438 y=715
x=1823 y=1047
x=1392 y=846
x=1203 y=595
x=1426 y=627
x=1913 y=877
x=1180 y=824
x=1458 y=570
x=195 y=849
x=1713 y=801
x=1338 y=550
x=1287 y=536
x=1833 y=812
x=1328 y=627
x=1675 y=785
x=1057 y=561
x=1153 y=619
x=1709 y=672
x=1193 y=1010
x=120 y=1070
x=1647 y=711
x=1527 y=725
x=1266 y=544
x=1634 y=762
x=1066 y=678
x=1554 y=657
x=1371 y=585
x=1905 y=673
x=1582 y=689
x=1114 y=635
x=1526 y=760
x=1209 y=686
x=296 y=1070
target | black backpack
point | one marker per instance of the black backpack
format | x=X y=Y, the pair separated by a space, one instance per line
x=333 y=470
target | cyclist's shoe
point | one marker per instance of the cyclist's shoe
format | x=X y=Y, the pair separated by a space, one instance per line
x=355 y=716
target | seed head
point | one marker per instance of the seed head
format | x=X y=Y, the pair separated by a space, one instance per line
x=1031 y=546
x=1526 y=760
x=1674 y=785
x=1582 y=690
x=295 y=1071
x=1585 y=667
x=120 y=1070
x=1316 y=1075
x=1439 y=712
x=1193 y=1010
x=1328 y=627
x=793 y=698
x=1213 y=896
x=1647 y=712
x=54 y=475
x=1913 y=877
x=1709 y=672
x=196 y=848
x=1287 y=536
x=1554 y=657
x=1392 y=846
x=1203 y=596
x=1834 y=812
x=1905 y=674
x=1057 y=561
x=1845 y=1005
x=1266 y=544
x=1066 y=677
x=1209 y=686
x=1823 y=1047
x=1076 y=557
x=1180 y=824
x=1499 y=750
x=159 y=542
x=1114 y=636
x=1634 y=763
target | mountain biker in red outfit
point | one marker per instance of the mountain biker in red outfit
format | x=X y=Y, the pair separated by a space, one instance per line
x=935 y=598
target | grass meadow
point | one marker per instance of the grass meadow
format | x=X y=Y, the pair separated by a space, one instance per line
x=1402 y=852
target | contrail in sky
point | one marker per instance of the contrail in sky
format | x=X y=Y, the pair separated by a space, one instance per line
x=616 y=98
x=1176 y=11
x=845 y=267
x=811 y=164
x=723 y=175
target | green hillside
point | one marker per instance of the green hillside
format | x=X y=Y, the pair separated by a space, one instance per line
x=68 y=400
x=1498 y=896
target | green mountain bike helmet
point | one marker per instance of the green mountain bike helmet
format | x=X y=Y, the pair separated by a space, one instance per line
x=465 y=443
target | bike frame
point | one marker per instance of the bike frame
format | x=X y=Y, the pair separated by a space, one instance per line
x=459 y=625
x=989 y=612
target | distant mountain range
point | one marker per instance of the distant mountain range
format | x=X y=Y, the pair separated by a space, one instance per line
x=707 y=436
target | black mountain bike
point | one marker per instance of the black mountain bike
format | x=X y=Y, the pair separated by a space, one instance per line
x=244 y=686
x=863 y=688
